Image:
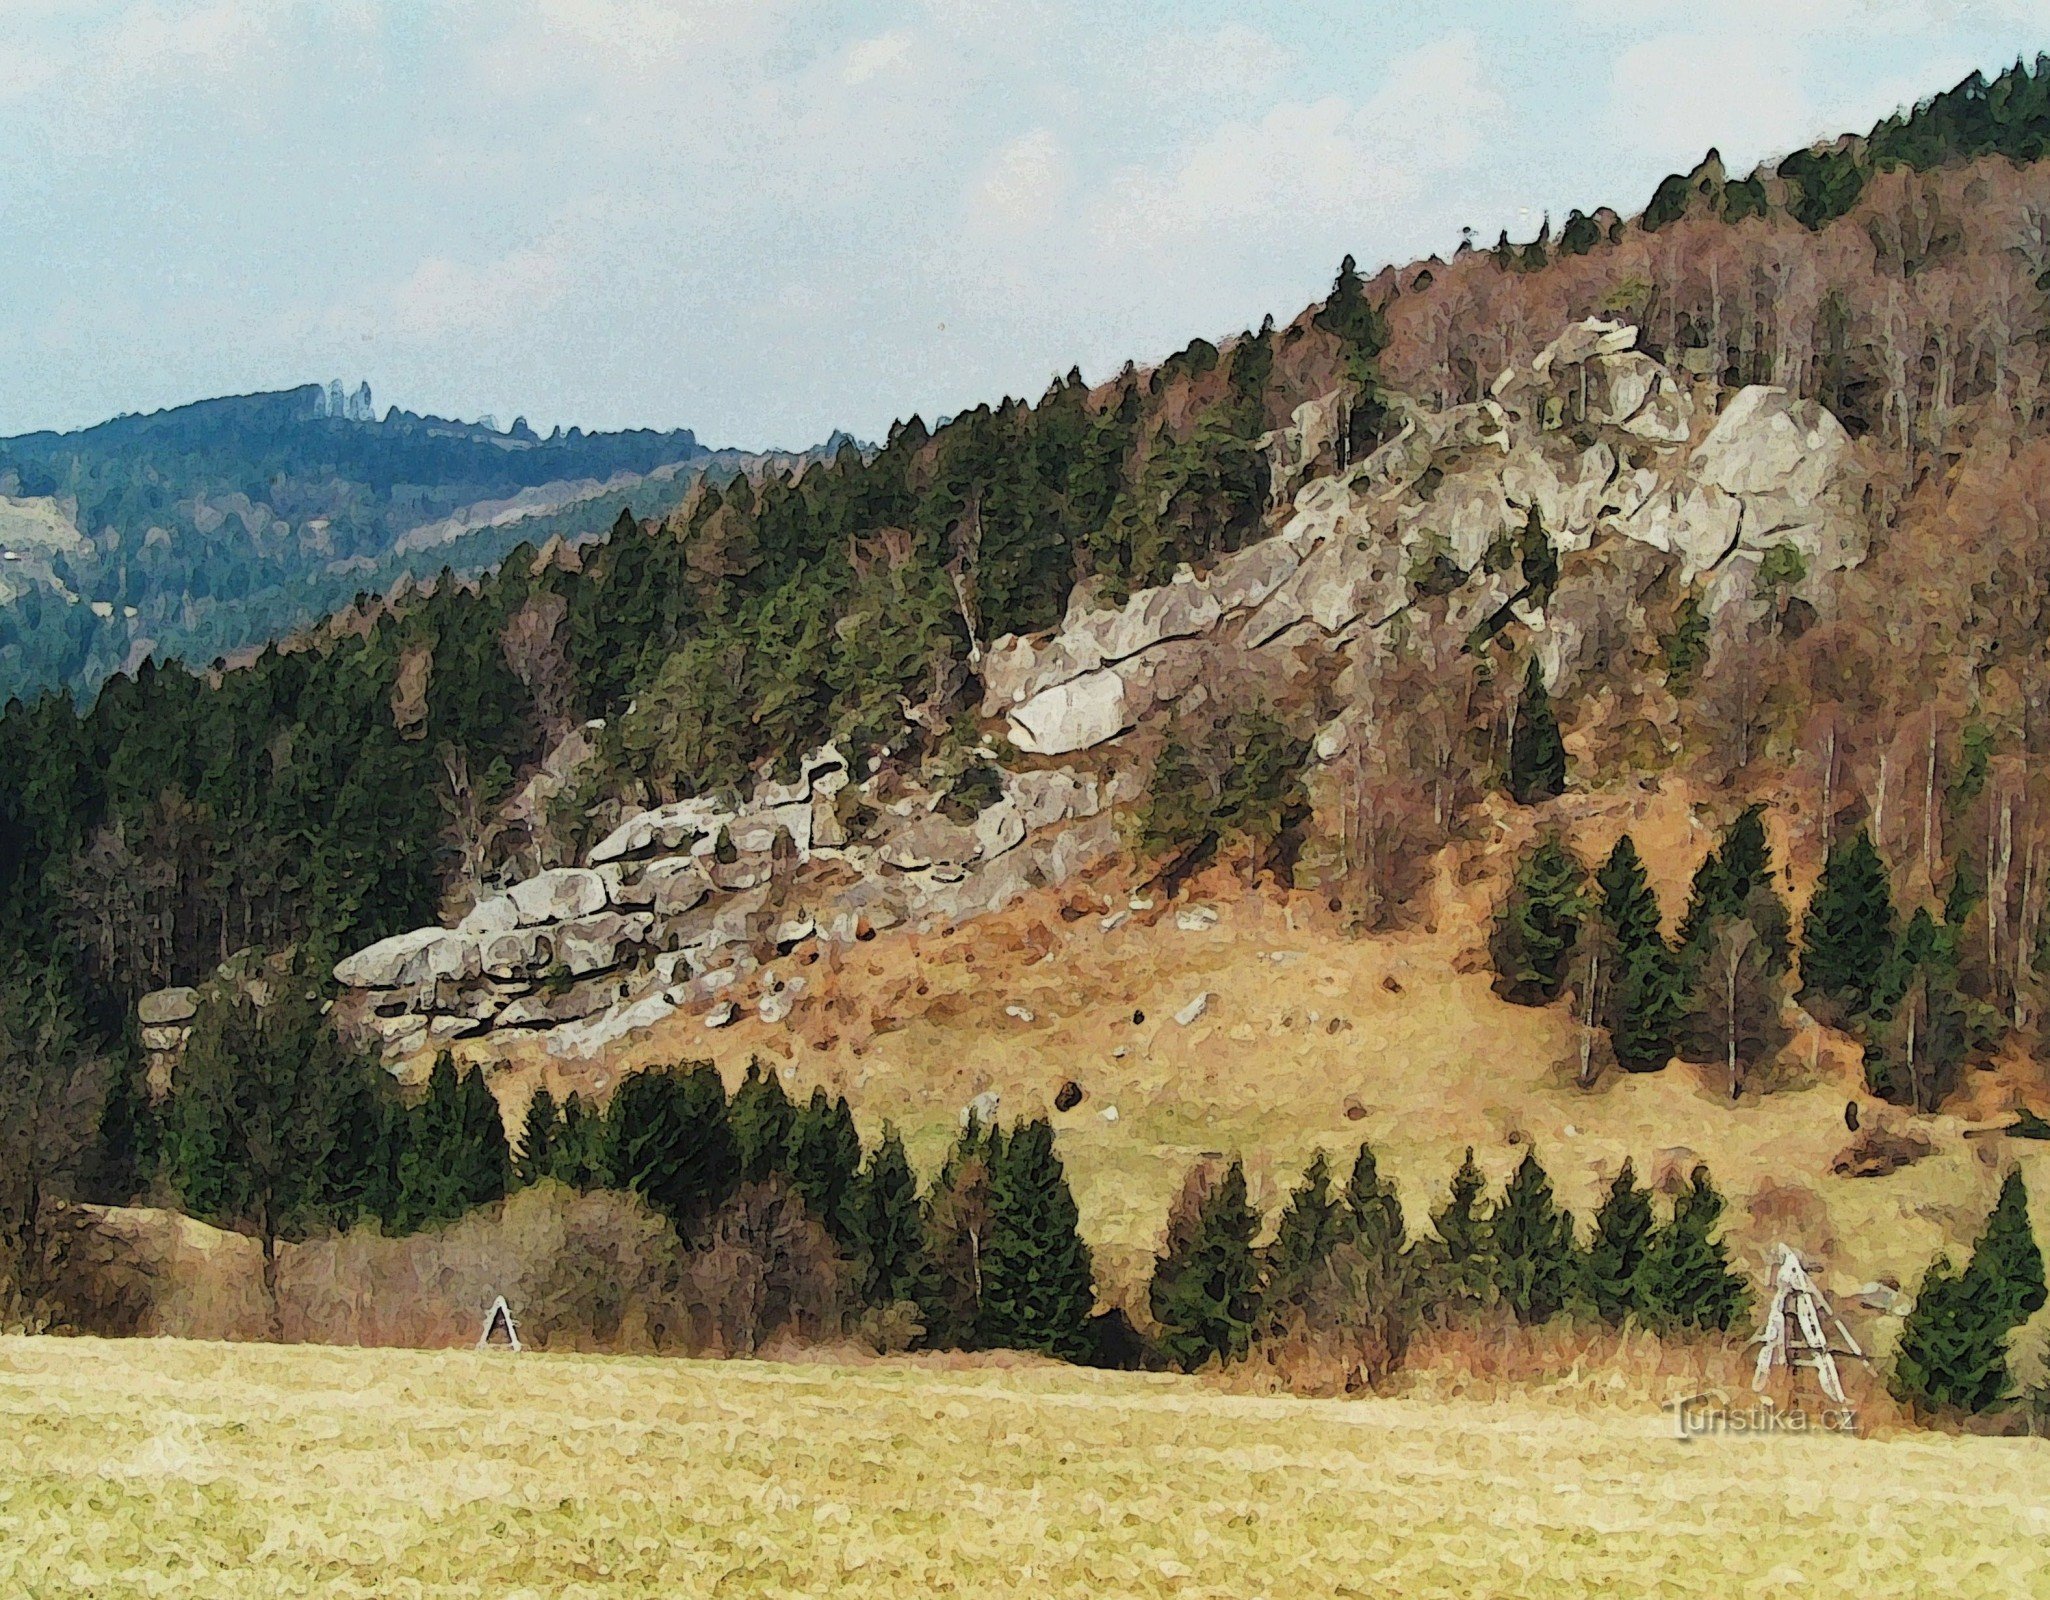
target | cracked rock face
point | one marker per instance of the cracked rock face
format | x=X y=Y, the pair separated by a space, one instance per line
x=1602 y=441
x=587 y=955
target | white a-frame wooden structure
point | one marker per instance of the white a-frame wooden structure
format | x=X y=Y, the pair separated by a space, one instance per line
x=499 y=1316
x=1793 y=1335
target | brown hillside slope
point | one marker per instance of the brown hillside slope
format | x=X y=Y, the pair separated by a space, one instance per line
x=1313 y=1037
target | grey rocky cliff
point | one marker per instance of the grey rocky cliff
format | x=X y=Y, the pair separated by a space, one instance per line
x=1608 y=447
x=679 y=904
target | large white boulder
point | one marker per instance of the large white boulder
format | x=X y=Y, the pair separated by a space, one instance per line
x=426 y=955
x=1071 y=716
x=558 y=895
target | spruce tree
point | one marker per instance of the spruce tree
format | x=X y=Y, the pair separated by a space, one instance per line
x=1205 y=1290
x=825 y=1156
x=1919 y=1036
x=1532 y=1245
x=762 y=1116
x=1685 y=1283
x=1951 y=1354
x=538 y=1138
x=485 y=1160
x=1622 y=1236
x=889 y=1229
x=1462 y=1256
x=670 y=1142
x=1848 y=932
x=1373 y=1210
x=1037 y=1280
x=1953 y=1347
x=1539 y=922
x=1537 y=757
x=1734 y=882
x=1311 y=1225
x=2006 y=1269
x=1644 y=1000
x=432 y=1175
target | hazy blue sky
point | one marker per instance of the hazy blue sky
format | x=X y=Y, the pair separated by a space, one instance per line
x=767 y=219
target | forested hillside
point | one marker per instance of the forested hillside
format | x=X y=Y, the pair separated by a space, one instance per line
x=195 y=532
x=1851 y=350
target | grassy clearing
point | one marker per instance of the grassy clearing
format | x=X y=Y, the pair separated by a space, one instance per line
x=161 y=1468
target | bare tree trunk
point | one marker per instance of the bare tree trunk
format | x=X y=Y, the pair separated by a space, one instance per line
x=1929 y=808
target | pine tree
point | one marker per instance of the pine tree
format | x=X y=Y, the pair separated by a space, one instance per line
x=1462 y=1256
x=1622 y=1236
x=889 y=1229
x=1537 y=757
x=762 y=1116
x=1644 y=1001
x=1848 y=932
x=1685 y=1283
x=671 y=1143
x=1532 y=1245
x=1311 y=1225
x=1205 y=1289
x=825 y=1155
x=1538 y=924
x=539 y=1136
x=1037 y=1280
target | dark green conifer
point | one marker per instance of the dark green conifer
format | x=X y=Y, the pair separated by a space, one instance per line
x=825 y=1156
x=1848 y=932
x=2006 y=1269
x=1535 y=931
x=1623 y=1228
x=1685 y=1282
x=671 y=1143
x=1537 y=756
x=1462 y=1255
x=1373 y=1210
x=1037 y=1279
x=889 y=1229
x=1531 y=1242
x=1311 y=1225
x=762 y=1116
x=538 y=1137
x=1205 y=1290
x=1951 y=1355
x=1644 y=1001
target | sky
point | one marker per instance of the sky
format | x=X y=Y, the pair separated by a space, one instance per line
x=767 y=219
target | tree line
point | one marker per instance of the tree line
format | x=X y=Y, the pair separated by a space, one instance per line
x=1342 y=1272
x=1716 y=992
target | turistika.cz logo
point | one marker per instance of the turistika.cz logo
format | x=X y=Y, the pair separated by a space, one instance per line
x=1697 y=1415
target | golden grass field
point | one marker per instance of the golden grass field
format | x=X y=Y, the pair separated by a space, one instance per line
x=162 y=1468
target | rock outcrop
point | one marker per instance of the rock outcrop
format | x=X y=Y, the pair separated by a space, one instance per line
x=1603 y=443
x=1593 y=451
x=679 y=905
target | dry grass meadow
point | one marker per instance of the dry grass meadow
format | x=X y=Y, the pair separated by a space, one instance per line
x=163 y=1468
